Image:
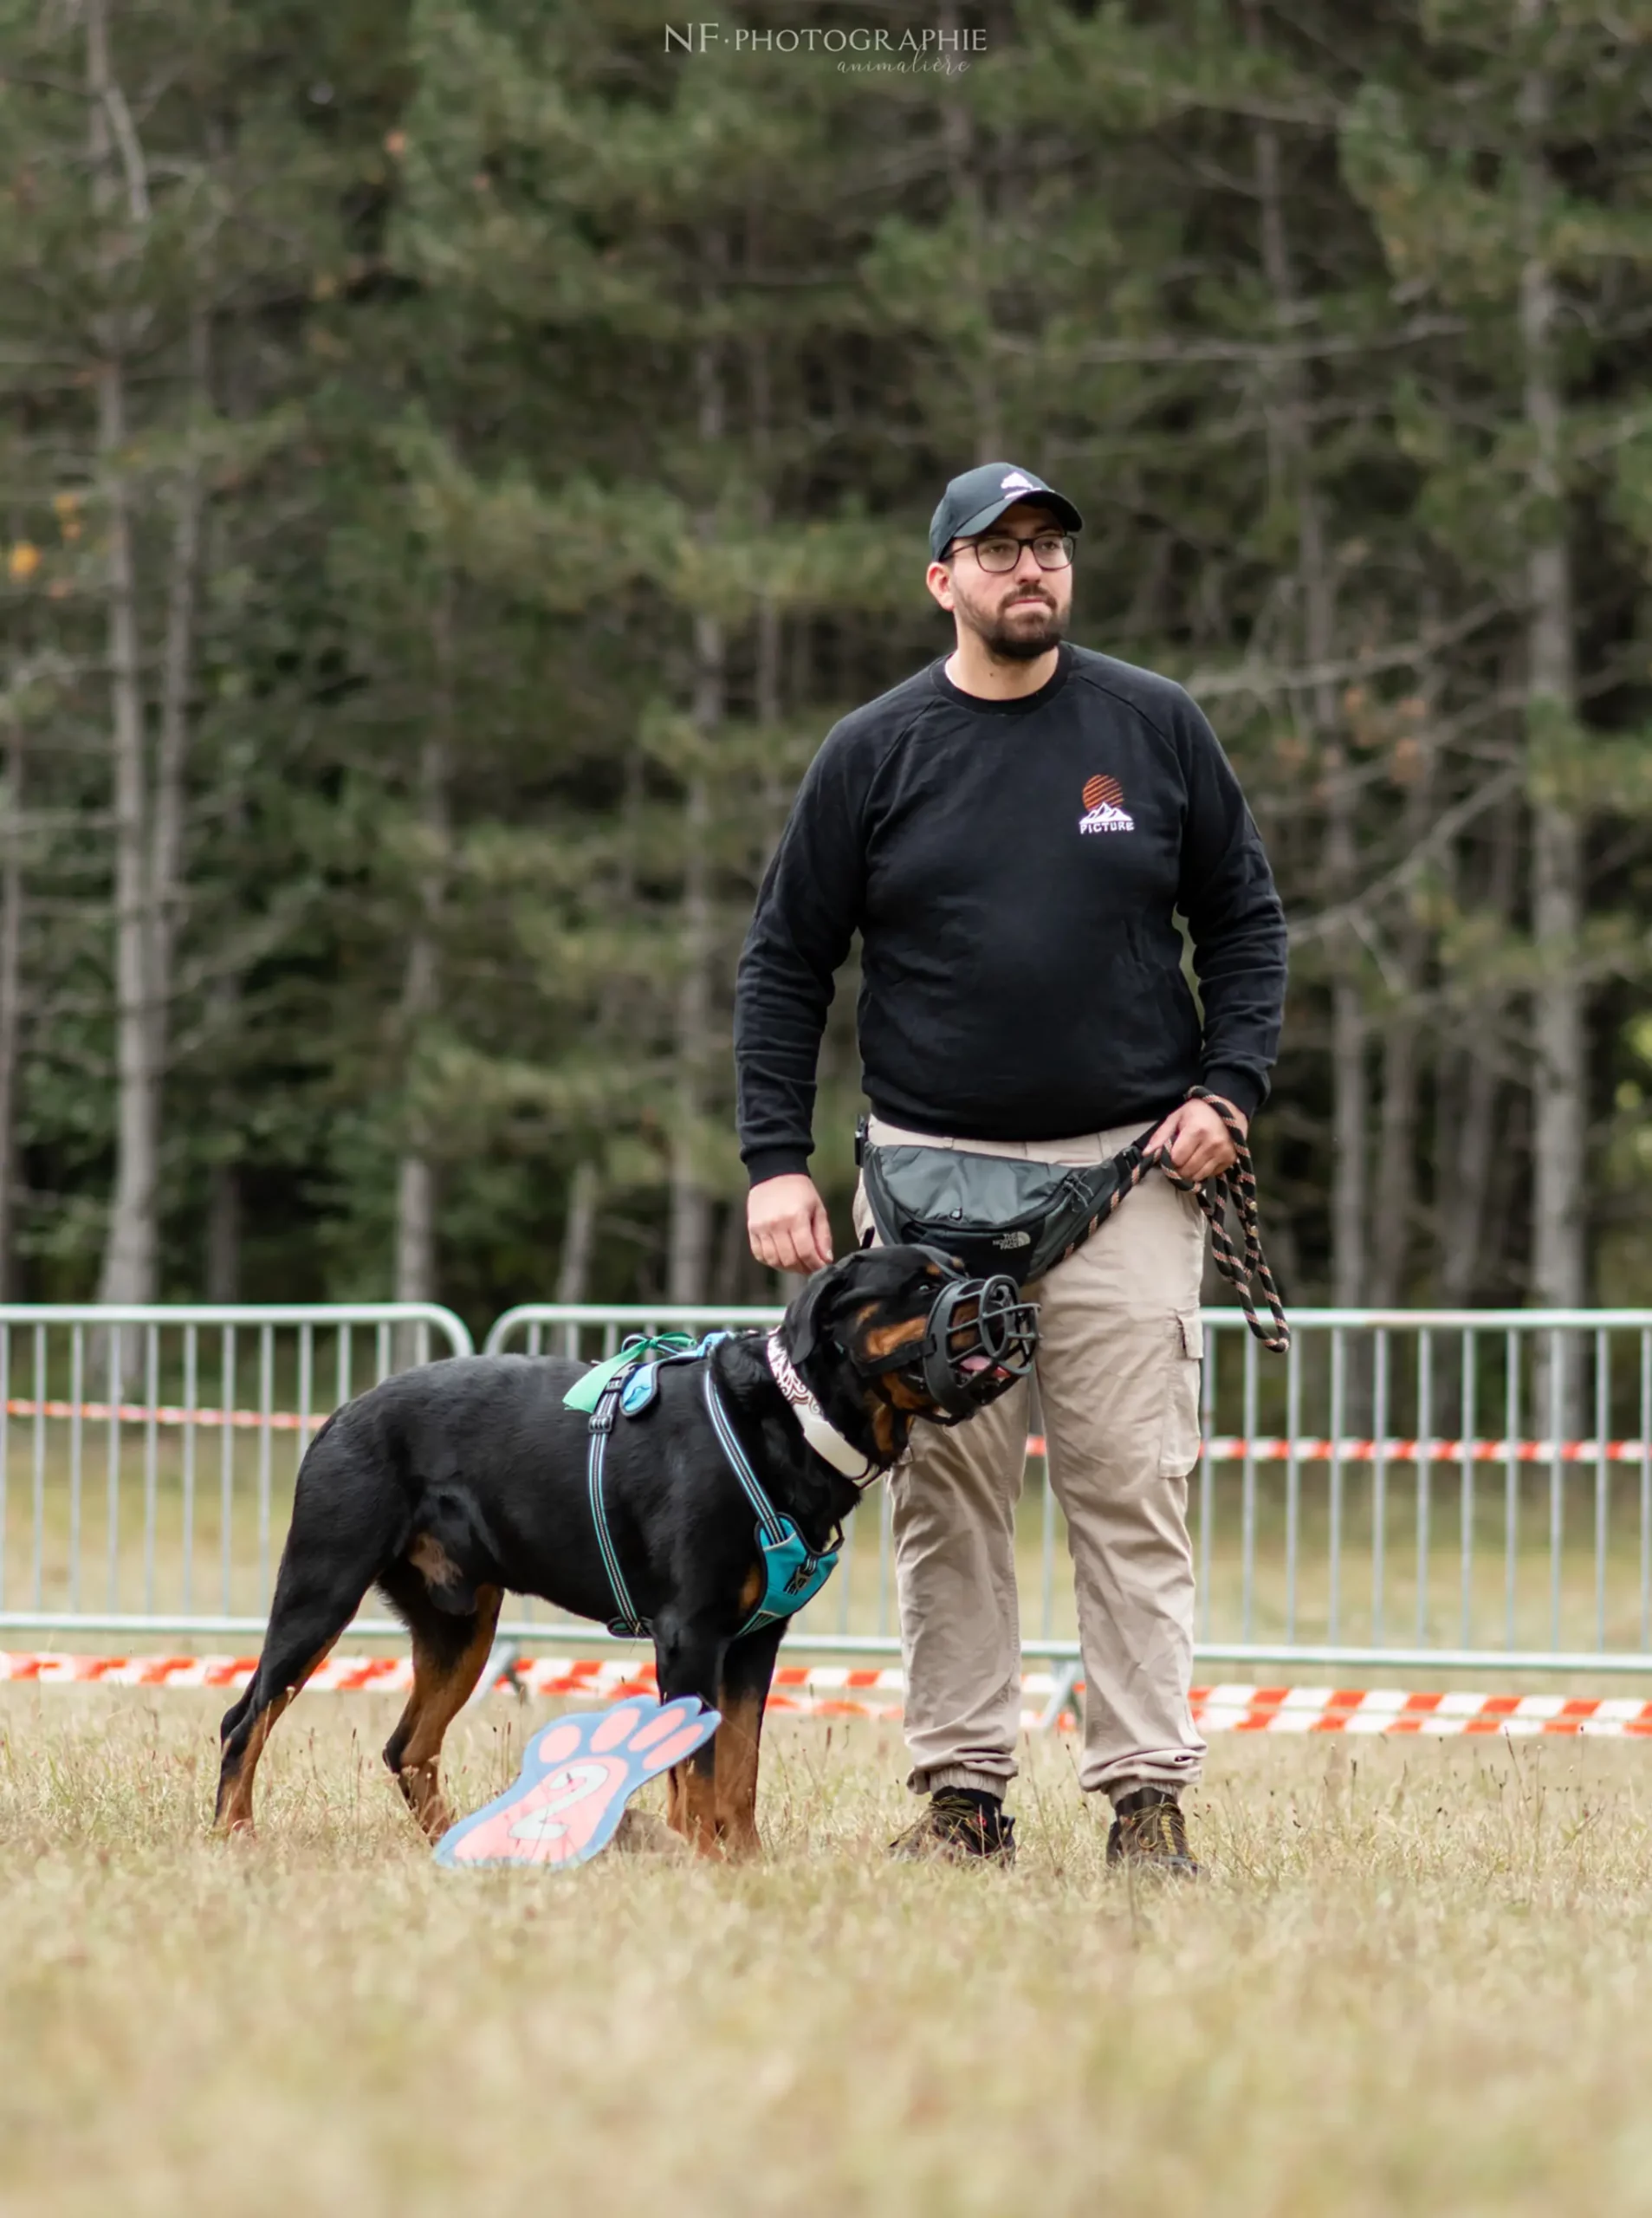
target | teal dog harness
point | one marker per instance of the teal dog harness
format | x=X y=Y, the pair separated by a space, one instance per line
x=628 y=1384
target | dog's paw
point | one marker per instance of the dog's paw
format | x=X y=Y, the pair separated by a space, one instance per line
x=577 y=1773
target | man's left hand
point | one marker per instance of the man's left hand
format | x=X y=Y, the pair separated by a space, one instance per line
x=1198 y=1140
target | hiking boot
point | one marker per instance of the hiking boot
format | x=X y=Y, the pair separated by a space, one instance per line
x=962 y=1825
x=1148 y=1829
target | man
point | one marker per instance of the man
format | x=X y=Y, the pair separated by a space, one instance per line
x=1014 y=832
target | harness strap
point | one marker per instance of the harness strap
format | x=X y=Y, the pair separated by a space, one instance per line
x=751 y=1486
x=786 y=1554
x=792 y=1571
x=627 y=1626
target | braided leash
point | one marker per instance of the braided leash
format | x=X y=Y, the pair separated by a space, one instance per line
x=1236 y=1184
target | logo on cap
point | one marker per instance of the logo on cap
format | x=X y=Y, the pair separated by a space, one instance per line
x=1016 y=484
x=1103 y=801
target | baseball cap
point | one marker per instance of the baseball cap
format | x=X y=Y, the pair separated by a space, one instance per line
x=977 y=499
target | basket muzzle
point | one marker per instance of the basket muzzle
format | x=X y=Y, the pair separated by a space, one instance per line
x=980 y=1337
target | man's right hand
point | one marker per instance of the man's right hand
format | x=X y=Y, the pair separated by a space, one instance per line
x=788 y=1225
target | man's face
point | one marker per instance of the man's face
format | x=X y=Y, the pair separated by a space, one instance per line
x=1018 y=614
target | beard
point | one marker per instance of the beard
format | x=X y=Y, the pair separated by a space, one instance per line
x=1016 y=637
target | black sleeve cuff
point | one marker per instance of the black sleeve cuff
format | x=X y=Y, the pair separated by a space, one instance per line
x=1243 y=1088
x=777 y=1163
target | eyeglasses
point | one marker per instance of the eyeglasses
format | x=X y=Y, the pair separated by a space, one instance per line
x=1002 y=552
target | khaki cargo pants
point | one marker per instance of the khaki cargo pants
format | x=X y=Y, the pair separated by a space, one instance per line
x=1118 y=1372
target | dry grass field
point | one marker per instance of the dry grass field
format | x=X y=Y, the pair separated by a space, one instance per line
x=1418 y=1979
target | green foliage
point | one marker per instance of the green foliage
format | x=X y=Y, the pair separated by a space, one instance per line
x=574 y=414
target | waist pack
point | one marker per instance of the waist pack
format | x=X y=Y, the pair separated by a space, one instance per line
x=993 y=1212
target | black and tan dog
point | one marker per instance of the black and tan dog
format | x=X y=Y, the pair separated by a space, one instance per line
x=449 y=1484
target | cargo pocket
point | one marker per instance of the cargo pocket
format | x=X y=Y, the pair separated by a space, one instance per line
x=1180 y=1442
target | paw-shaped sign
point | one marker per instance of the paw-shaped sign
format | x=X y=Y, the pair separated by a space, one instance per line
x=578 y=1775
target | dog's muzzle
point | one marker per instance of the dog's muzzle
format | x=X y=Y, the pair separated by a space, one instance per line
x=964 y=1362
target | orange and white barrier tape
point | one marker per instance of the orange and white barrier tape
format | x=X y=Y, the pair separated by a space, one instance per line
x=1278 y=1448
x=166 y=1413
x=839 y=1690
x=1232 y=1448
x=822 y=1690
x=1384 y=1709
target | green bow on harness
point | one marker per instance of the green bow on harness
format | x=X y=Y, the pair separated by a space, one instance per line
x=586 y=1393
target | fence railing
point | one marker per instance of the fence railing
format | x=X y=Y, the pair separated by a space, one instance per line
x=149 y=1453
x=1431 y=1484
x=1460 y=1488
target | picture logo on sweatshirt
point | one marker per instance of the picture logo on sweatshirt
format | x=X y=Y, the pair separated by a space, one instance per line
x=1104 y=802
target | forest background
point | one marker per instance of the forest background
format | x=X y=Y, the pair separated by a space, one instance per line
x=456 y=463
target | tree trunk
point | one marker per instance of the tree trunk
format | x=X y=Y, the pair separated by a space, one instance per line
x=770 y=638
x=224 y=1196
x=688 y=1260
x=579 y=1235
x=1559 y=1056
x=415 y=1229
x=1316 y=586
x=1465 y=1163
x=1560 y=1063
x=1394 y=1203
x=1466 y=1147
x=129 y=1256
x=974 y=360
x=690 y=1227
x=178 y=673
x=733 y=1247
x=416 y=1184
x=1349 y=1141
x=11 y=909
x=223 y=1233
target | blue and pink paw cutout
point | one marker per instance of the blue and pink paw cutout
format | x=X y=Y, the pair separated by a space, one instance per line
x=578 y=1775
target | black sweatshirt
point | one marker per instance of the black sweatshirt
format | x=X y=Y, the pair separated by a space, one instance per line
x=1013 y=868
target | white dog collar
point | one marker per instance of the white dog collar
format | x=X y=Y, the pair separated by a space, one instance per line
x=818 y=1429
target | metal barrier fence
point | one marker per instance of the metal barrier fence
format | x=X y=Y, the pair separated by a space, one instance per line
x=1464 y=1489
x=148 y=1454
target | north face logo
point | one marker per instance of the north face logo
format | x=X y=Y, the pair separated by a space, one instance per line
x=1104 y=802
x=1016 y=484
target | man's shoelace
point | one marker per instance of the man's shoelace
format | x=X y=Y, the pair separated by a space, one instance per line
x=1161 y=1826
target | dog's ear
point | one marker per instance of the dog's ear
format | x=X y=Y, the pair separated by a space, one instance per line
x=809 y=1313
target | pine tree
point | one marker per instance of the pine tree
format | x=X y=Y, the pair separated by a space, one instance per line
x=175 y=199
x=1499 y=170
